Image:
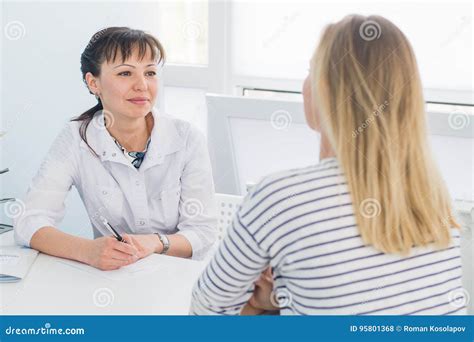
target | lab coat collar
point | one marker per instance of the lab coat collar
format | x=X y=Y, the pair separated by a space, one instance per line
x=165 y=139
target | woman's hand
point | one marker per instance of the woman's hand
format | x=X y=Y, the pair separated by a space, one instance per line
x=260 y=302
x=146 y=244
x=106 y=253
x=263 y=292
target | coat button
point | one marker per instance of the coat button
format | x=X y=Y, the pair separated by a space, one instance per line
x=141 y=223
x=104 y=192
x=114 y=154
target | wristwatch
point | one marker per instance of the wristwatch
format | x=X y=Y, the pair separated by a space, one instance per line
x=165 y=241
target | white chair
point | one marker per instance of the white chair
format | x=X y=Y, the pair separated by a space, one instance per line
x=227 y=206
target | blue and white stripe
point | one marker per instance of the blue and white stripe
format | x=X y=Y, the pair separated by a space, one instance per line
x=301 y=223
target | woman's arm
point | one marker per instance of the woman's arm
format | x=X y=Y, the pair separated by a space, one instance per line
x=150 y=243
x=52 y=241
x=105 y=253
x=44 y=208
x=228 y=281
x=43 y=205
x=197 y=225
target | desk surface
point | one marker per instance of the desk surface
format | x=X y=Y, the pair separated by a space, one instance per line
x=54 y=288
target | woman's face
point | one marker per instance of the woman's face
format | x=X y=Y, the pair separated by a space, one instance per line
x=310 y=112
x=128 y=88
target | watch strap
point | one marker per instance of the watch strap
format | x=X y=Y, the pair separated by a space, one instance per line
x=165 y=241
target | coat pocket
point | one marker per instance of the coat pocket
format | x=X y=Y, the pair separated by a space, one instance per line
x=170 y=205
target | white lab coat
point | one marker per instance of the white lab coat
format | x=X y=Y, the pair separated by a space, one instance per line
x=171 y=192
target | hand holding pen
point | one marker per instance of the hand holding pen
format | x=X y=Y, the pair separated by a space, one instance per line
x=111 y=252
x=144 y=249
x=111 y=229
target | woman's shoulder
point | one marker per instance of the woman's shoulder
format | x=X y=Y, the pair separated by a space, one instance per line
x=69 y=134
x=288 y=177
x=186 y=131
x=281 y=186
x=66 y=143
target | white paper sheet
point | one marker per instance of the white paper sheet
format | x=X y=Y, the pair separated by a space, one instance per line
x=15 y=262
x=9 y=260
x=139 y=268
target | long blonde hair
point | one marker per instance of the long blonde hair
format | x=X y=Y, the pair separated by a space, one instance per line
x=367 y=89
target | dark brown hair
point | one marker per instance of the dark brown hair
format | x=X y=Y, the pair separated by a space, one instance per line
x=104 y=46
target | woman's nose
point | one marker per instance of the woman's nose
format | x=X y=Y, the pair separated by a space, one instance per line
x=140 y=84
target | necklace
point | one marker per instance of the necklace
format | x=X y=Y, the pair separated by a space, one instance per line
x=136 y=157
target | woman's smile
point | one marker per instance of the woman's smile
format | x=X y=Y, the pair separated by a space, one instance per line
x=139 y=101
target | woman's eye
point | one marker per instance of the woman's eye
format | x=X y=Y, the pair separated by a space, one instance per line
x=124 y=73
x=151 y=73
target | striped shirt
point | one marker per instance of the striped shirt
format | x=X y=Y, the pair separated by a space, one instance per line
x=301 y=223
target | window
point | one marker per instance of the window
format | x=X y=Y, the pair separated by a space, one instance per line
x=266 y=45
x=273 y=42
x=183 y=30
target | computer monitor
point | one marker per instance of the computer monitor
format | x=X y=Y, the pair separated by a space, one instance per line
x=250 y=137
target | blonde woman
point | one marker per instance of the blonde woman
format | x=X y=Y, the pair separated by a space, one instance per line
x=368 y=230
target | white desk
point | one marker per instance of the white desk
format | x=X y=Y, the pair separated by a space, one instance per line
x=53 y=288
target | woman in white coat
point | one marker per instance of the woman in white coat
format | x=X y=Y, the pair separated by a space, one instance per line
x=148 y=174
